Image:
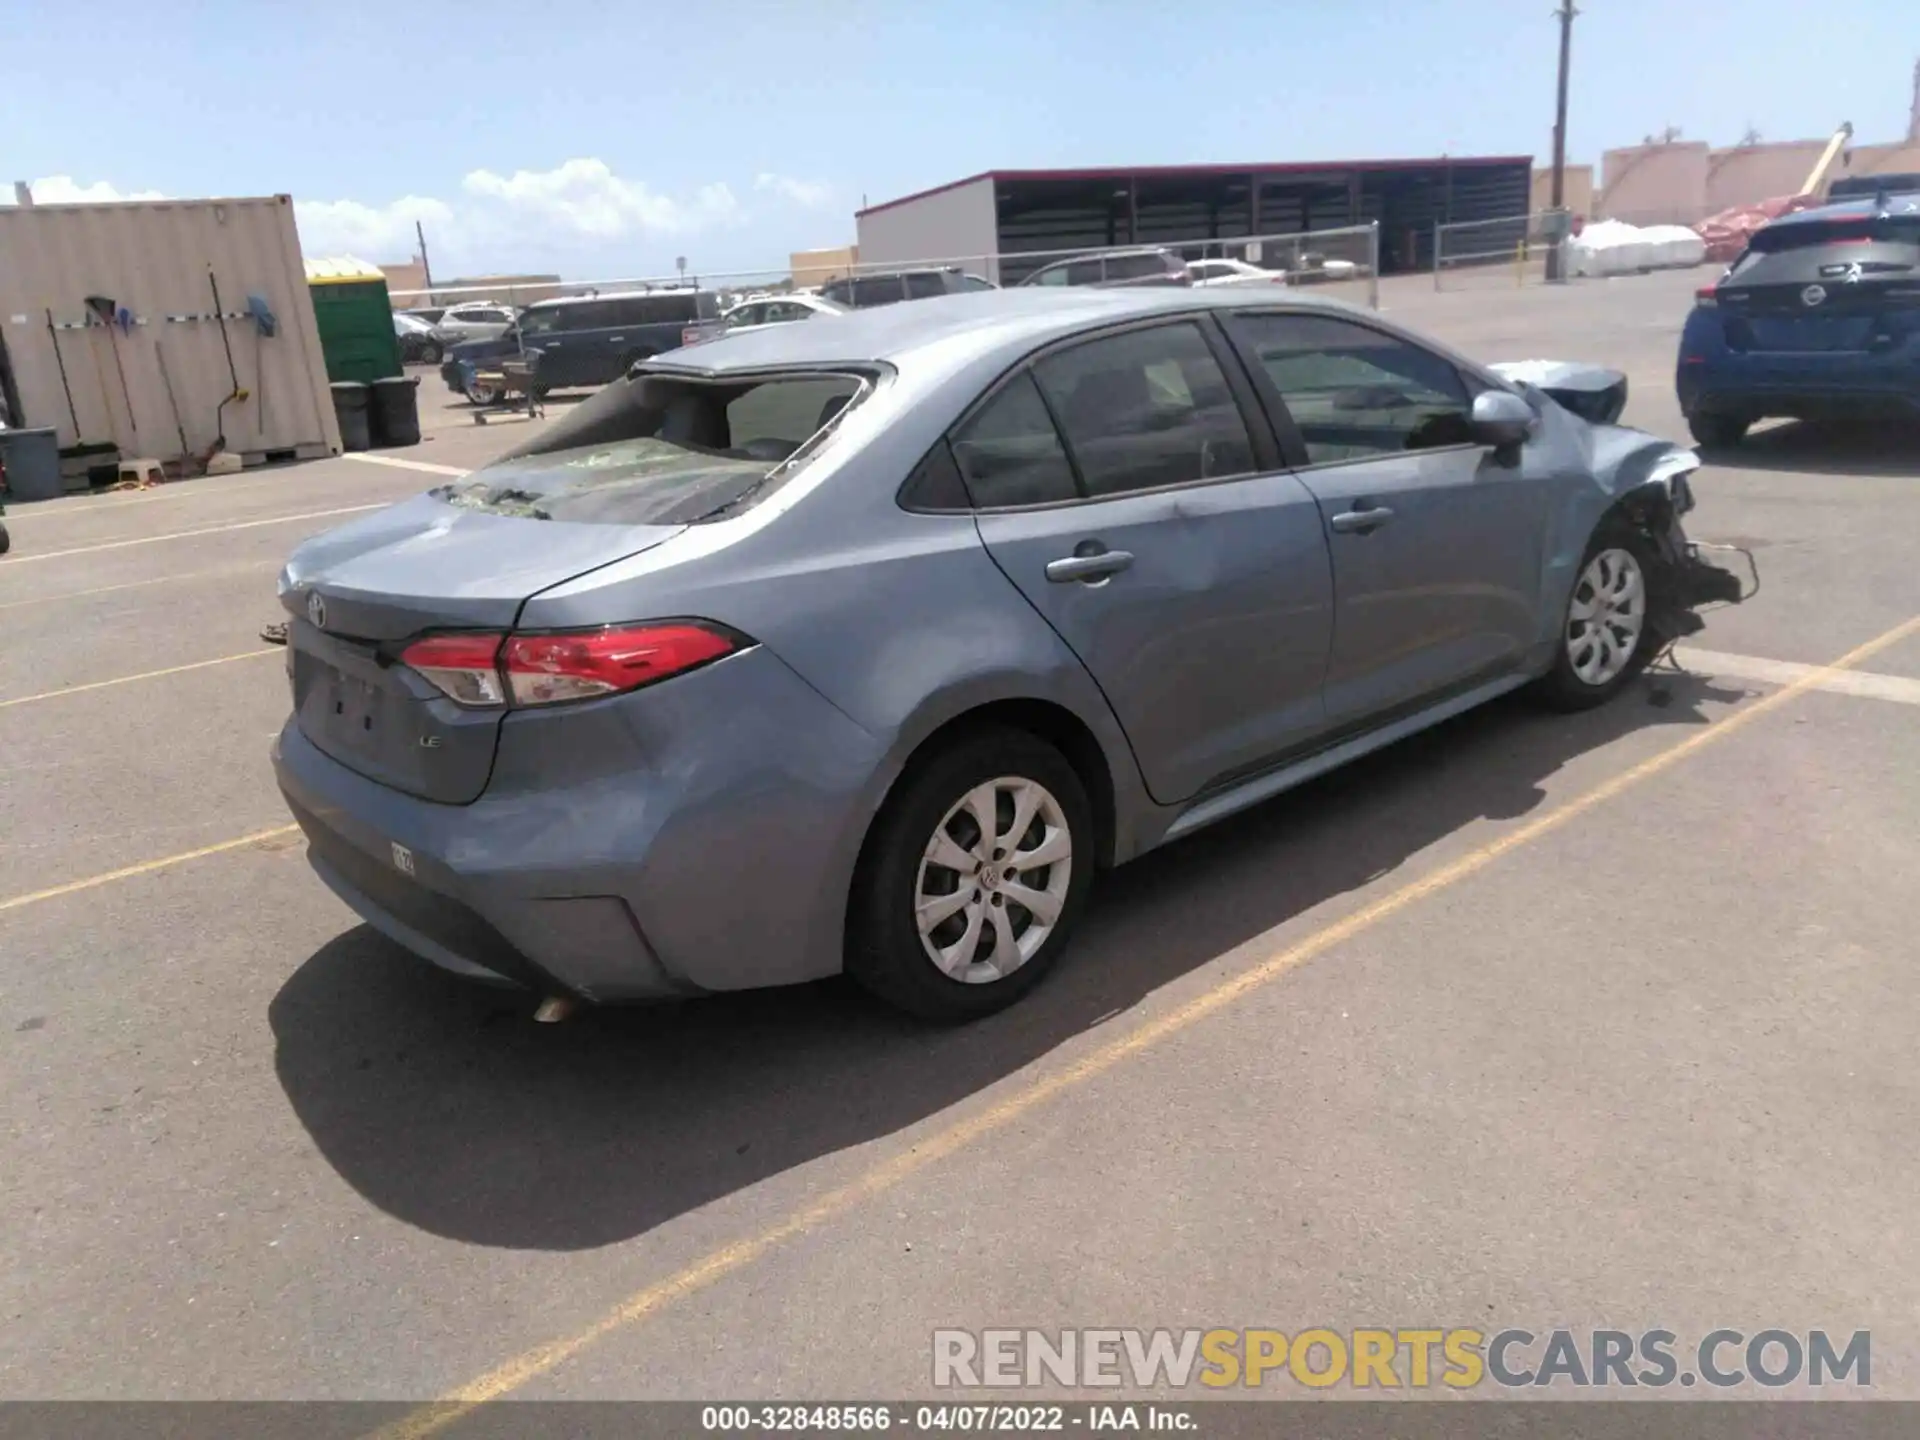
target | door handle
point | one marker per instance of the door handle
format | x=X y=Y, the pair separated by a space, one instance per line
x=1097 y=566
x=615 y=339
x=1362 y=521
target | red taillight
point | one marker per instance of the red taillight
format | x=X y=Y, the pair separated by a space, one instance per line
x=1705 y=297
x=462 y=667
x=551 y=669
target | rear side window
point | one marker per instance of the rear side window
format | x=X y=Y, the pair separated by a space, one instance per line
x=1052 y=275
x=659 y=449
x=1810 y=252
x=1084 y=272
x=1146 y=408
x=1134 y=267
x=924 y=285
x=871 y=290
x=971 y=282
x=1010 y=454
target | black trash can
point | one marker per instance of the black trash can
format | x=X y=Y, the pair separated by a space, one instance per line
x=32 y=462
x=396 y=410
x=350 y=399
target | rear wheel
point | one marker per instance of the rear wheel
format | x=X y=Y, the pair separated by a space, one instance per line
x=483 y=392
x=973 y=878
x=5 y=543
x=1604 y=636
x=430 y=354
x=1718 y=432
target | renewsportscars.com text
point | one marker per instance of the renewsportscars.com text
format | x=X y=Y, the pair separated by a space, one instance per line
x=1382 y=1359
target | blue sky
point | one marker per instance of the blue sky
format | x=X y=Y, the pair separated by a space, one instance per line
x=606 y=140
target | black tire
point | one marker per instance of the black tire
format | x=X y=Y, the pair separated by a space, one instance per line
x=482 y=394
x=885 y=953
x=1718 y=432
x=6 y=543
x=1562 y=687
x=430 y=354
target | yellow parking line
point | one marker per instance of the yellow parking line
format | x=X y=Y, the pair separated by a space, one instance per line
x=512 y=1374
x=145 y=867
x=129 y=679
x=14 y=562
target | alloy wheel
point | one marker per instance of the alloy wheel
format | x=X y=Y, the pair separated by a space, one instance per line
x=1607 y=616
x=993 y=880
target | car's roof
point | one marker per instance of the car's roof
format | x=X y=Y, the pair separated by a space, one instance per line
x=955 y=328
x=1854 y=207
x=655 y=292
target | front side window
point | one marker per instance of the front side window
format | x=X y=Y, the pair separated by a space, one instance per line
x=1083 y=272
x=1052 y=275
x=541 y=321
x=871 y=290
x=1356 y=392
x=924 y=285
x=1146 y=408
x=971 y=282
x=1010 y=454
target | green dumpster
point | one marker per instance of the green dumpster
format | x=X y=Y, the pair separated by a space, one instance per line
x=355 y=319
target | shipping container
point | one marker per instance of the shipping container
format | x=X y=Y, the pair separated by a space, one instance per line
x=190 y=289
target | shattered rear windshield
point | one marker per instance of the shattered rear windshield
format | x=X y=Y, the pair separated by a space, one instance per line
x=655 y=449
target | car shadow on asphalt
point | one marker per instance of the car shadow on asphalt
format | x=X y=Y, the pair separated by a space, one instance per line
x=446 y=1107
x=1888 y=448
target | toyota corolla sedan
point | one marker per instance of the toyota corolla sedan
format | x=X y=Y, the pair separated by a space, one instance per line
x=862 y=646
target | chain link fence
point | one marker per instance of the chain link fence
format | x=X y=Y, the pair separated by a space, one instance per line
x=1345 y=262
x=1493 y=254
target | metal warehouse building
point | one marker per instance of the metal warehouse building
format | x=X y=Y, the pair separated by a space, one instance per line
x=985 y=219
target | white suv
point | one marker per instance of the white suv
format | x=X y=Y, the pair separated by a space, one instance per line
x=482 y=320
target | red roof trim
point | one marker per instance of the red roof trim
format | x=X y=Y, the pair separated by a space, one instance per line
x=1197 y=172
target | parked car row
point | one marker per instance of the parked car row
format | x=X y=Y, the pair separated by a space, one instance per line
x=583 y=341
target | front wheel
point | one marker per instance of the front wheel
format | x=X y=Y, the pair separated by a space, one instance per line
x=973 y=878
x=482 y=392
x=430 y=354
x=1718 y=432
x=1604 y=636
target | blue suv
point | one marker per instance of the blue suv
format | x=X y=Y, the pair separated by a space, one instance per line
x=1818 y=319
x=586 y=341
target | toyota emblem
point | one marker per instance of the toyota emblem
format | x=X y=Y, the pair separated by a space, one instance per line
x=317 y=610
x=1813 y=295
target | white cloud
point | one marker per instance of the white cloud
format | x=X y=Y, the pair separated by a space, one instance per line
x=578 y=207
x=370 y=232
x=809 y=194
x=65 y=190
x=586 y=198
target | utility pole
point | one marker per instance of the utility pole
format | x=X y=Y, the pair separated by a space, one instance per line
x=426 y=267
x=1565 y=14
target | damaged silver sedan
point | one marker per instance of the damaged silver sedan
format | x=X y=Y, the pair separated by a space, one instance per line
x=863 y=646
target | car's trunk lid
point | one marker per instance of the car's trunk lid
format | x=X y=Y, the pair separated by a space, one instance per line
x=358 y=594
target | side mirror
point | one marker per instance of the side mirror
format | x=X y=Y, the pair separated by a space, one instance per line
x=1500 y=419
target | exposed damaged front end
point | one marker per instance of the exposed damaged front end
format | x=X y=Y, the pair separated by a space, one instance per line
x=1646 y=481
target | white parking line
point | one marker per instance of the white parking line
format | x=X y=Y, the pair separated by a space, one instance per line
x=1864 y=683
x=14 y=562
x=398 y=464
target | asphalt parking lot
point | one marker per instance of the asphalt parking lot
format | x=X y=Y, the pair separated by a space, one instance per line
x=1593 y=1020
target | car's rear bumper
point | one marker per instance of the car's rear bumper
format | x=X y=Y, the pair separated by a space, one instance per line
x=1836 y=386
x=596 y=867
